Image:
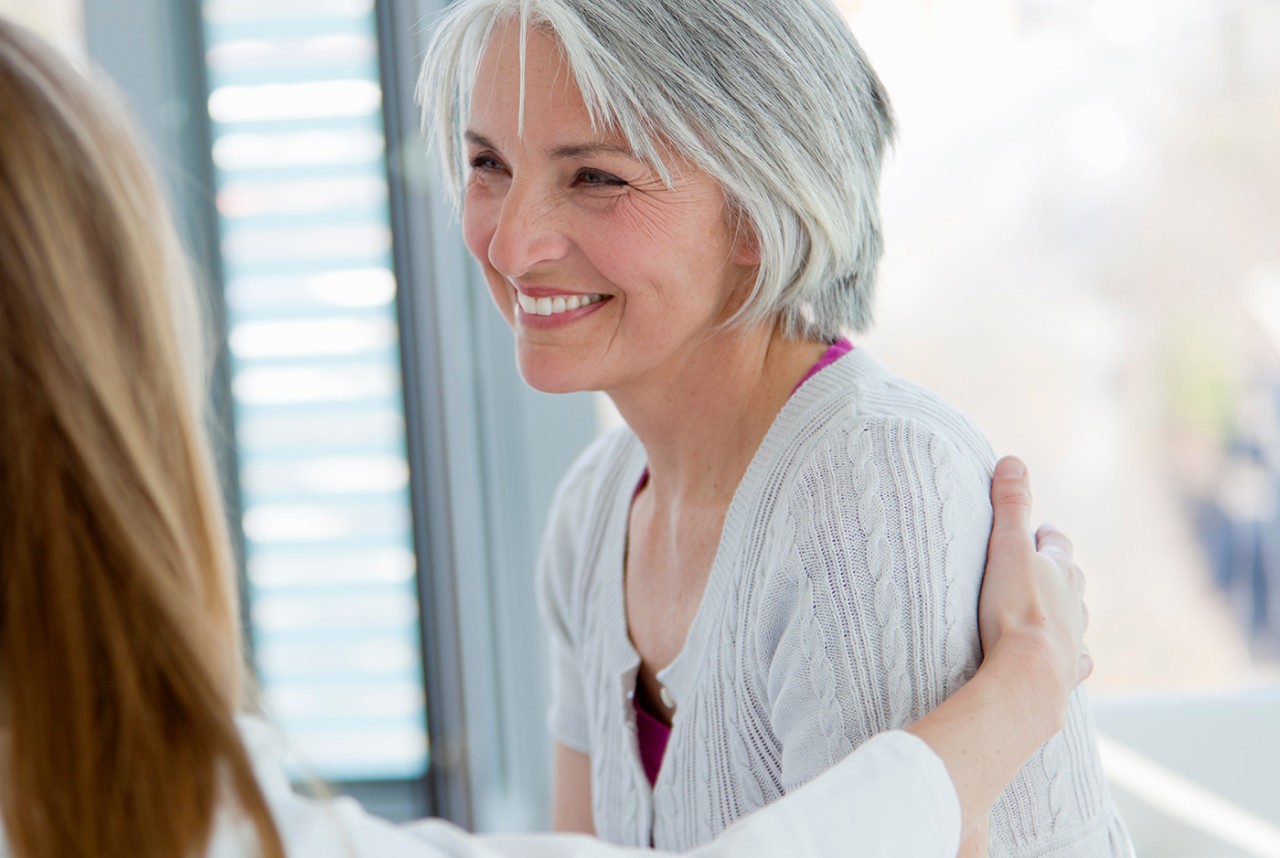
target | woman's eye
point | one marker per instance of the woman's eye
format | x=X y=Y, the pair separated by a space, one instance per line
x=485 y=163
x=598 y=178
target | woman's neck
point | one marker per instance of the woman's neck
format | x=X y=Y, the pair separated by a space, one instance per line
x=702 y=421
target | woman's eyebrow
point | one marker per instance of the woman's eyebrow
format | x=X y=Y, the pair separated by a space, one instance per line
x=582 y=150
x=478 y=140
x=569 y=151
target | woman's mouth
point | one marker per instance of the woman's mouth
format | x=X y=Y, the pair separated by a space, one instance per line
x=557 y=305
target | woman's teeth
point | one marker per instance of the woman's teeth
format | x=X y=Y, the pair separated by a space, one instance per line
x=552 y=306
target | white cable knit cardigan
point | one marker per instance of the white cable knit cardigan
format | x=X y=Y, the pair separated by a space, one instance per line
x=842 y=602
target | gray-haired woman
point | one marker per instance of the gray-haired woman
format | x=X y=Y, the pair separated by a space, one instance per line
x=780 y=556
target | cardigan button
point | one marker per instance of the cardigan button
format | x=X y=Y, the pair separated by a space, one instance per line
x=667 y=699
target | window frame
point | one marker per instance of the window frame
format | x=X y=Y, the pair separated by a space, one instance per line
x=478 y=495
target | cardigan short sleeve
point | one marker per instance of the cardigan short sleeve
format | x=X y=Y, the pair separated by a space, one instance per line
x=566 y=716
x=568 y=566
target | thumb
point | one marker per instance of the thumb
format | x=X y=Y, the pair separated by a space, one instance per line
x=1011 y=504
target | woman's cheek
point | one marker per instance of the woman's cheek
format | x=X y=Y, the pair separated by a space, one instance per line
x=477 y=229
x=477 y=234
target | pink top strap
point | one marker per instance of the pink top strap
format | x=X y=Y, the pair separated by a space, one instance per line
x=838 y=349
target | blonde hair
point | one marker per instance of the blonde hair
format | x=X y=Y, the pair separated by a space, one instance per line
x=119 y=627
x=772 y=98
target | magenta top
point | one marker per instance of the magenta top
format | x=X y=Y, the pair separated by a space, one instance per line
x=837 y=350
x=651 y=734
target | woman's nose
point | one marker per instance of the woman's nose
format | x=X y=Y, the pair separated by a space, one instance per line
x=528 y=233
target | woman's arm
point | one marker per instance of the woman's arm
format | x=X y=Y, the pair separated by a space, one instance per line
x=890 y=535
x=876 y=584
x=1032 y=620
x=571 y=792
x=571 y=764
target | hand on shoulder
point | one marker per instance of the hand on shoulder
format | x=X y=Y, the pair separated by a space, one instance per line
x=1032 y=602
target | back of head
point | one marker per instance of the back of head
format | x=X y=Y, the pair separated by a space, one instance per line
x=774 y=99
x=118 y=625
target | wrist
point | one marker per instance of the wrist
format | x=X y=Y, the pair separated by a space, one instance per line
x=1028 y=672
x=988 y=729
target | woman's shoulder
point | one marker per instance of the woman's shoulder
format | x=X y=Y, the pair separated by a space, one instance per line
x=864 y=439
x=858 y=401
x=597 y=471
x=579 y=520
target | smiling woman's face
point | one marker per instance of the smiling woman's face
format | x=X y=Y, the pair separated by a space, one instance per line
x=609 y=278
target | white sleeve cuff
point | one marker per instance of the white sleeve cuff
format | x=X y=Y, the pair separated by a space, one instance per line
x=890 y=797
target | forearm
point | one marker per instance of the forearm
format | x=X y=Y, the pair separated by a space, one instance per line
x=977 y=842
x=571 y=792
x=988 y=729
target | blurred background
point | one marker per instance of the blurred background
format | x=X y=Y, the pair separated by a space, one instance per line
x=1084 y=254
x=1083 y=225
x=1083 y=221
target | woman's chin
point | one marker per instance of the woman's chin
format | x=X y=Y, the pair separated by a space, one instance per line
x=553 y=385
x=549 y=377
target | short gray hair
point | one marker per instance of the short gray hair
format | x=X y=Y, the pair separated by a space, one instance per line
x=774 y=99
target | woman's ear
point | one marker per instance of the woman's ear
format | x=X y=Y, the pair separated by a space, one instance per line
x=746 y=242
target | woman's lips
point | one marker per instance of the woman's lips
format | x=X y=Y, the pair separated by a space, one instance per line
x=553 y=308
x=547 y=305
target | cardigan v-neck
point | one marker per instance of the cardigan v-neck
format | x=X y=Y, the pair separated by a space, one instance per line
x=653 y=733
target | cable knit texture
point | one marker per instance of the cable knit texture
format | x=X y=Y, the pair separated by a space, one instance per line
x=842 y=603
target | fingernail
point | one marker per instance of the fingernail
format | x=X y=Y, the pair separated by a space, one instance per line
x=1010 y=469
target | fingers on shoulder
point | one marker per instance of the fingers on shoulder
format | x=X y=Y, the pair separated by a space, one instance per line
x=1051 y=540
x=1055 y=546
x=1011 y=484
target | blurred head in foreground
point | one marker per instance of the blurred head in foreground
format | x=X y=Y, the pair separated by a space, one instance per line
x=120 y=667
